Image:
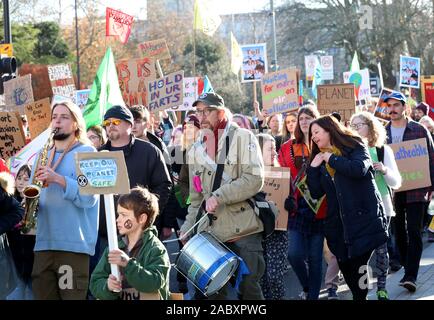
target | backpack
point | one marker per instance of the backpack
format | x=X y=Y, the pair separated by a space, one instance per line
x=266 y=211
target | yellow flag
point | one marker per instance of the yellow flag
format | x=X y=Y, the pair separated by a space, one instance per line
x=204 y=17
x=236 y=55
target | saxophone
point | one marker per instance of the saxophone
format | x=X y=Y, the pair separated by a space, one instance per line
x=33 y=191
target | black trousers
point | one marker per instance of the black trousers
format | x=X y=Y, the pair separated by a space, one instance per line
x=409 y=223
x=355 y=272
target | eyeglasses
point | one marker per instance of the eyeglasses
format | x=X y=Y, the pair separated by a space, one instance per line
x=92 y=137
x=205 y=112
x=115 y=122
x=357 y=126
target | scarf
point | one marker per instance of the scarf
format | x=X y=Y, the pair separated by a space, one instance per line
x=210 y=149
x=336 y=152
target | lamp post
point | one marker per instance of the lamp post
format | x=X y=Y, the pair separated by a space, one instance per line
x=273 y=27
x=6 y=21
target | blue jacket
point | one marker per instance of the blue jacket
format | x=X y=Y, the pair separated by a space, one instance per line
x=355 y=222
x=67 y=221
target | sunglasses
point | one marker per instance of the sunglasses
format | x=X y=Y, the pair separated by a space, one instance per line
x=115 y=122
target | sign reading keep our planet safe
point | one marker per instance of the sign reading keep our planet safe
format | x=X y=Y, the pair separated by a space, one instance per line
x=102 y=173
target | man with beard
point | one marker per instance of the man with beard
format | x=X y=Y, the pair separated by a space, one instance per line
x=67 y=221
x=410 y=205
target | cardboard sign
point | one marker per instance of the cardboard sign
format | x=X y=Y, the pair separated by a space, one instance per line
x=156 y=49
x=102 y=173
x=190 y=94
x=118 y=24
x=362 y=86
x=428 y=93
x=18 y=93
x=134 y=76
x=276 y=186
x=134 y=294
x=412 y=158
x=11 y=134
x=314 y=204
x=409 y=72
x=39 y=116
x=309 y=62
x=254 y=62
x=326 y=67
x=81 y=97
x=337 y=97
x=167 y=92
x=40 y=80
x=280 y=91
x=7 y=49
x=62 y=81
x=381 y=108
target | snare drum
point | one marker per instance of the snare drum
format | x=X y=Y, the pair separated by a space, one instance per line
x=207 y=263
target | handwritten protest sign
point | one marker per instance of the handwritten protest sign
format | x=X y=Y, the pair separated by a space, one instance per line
x=337 y=97
x=409 y=72
x=360 y=79
x=412 y=158
x=276 y=186
x=81 y=97
x=280 y=91
x=40 y=80
x=134 y=76
x=156 y=49
x=254 y=62
x=18 y=93
x=381 y=108
x=62 y=81
x=11 y=134
x=118 y=24
x=39 y=116
x=167 y=92
x=190 y=94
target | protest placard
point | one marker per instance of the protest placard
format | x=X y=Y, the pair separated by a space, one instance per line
x=280 y=91
x=427 y=83
x=81 y=97
x=326 y=67
x=11 y=134
x=381 y=108
x=38 y=116
x=409 y=72
x=156 y=49
x=40 y=79
x=18 y=93
x=190 y=94
x=133 y=76
x=276 y=186
x=118 y=24
x=360 y=79
x=254 y=62
x=62 y=81
x=412 y=158
x=337 y=97
x=314 y=204
x=167 y=92
x=309 y=62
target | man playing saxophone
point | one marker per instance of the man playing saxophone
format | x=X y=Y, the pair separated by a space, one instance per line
x=67 y=221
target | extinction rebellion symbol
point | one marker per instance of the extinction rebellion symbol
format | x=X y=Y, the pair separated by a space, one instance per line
x=82 y=181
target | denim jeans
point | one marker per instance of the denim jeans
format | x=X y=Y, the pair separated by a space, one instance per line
x=306 y=257
x=23 y=291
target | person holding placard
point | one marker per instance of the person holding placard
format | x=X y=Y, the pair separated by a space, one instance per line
x=410 y=205
x=67 y=224
x=387 y=177
x=355 y=225
x=305 y=226
x=143 y=260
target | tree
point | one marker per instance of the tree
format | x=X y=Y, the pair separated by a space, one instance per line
x=50 y=48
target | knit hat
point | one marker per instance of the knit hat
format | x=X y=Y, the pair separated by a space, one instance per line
x=119 y=112
x=423 y=107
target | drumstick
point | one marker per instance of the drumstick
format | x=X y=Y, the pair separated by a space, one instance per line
x=188 y=231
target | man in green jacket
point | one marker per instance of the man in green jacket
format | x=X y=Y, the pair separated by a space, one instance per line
x=142 y=258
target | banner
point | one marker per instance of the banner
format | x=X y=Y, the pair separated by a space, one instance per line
x=254 y=62
x=412 y=158
x=409 y=72
x=190 y=94
x=62 y=81
x=81 y=97
x=156 y=49
x=361 y=82
x=280 y=91
x=38 y=116
x=18 y=92
x=276 y=186
x=381 y=108
x=118 y=24
x=327 y=67
x=309 y=62
x=167 y=92
x=11 y=134
x=428 y=93
x=337 y=97
x=133 y=77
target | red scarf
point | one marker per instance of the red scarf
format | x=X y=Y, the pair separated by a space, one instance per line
x=218 y=131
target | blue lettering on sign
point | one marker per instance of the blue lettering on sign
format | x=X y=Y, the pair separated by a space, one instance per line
x=101 y=173
x=416 y=151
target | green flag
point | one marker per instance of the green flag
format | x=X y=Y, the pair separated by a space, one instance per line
x=355 y=64
x=105 y=91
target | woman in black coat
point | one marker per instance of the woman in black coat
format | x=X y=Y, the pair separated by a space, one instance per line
x=355 y=224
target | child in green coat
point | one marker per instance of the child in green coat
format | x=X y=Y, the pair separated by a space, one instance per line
x=142 y=258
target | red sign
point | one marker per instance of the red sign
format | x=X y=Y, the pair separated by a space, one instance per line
x=118 y=24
